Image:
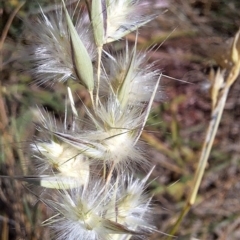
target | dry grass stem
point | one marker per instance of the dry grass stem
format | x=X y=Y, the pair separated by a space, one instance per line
x=219 y=97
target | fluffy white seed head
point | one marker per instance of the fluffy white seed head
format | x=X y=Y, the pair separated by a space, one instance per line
x=132 y=205
x=123 y=17
x=113 y=138
x=81 y=214
x=61 y=160
x=56 y=158
x=50 y=48
x=78 y=215
x=130 y=77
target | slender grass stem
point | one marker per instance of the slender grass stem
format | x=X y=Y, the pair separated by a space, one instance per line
x=207 y=146
x=98 y=73
x=92 y=99
x=110 y=174
x=104 y=169
x=8 y=25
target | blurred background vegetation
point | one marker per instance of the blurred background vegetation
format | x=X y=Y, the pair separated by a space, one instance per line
x=189 y=39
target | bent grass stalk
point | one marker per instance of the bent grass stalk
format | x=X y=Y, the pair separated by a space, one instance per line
x=219 y=98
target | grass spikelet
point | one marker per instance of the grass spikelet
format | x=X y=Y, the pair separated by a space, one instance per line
x=113 y=139
x=50 y=49
x=55 y=157
x=82 y=212
x=132 y=204
x=123 y=17
x=81 y=60
x=130 y=78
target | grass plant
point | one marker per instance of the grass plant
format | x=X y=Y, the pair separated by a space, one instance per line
x=83 y=158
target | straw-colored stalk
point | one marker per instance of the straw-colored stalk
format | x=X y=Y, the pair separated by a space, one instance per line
x=219 y=94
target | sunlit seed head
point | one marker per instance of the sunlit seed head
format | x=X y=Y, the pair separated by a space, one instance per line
x=55 y=157
x=132 y=205
x=61 y=160
x=80 y=214
x=113 y=138
x=50 y=49
x=77 y=215
x=123 y=17
x=118 y=12
x=130 y=77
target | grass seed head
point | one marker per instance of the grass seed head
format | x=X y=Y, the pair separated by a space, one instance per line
x=50 y=49
x=130 y=78
x=123 y=17
x=132 y=205
x=55 y=157
x=113 y=139
x=62 y=160
x=81 y=214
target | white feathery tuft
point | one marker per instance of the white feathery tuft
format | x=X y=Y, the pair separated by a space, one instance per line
x=50 y=49
x=125 y=16
x=55 y=157
x=130 y=77
x=113 y=139
x=80 y=213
